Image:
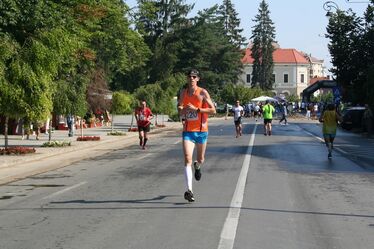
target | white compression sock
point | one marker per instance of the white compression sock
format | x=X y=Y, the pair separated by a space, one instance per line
x=188 y=176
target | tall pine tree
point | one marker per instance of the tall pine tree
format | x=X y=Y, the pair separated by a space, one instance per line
x=231 y=23
x=263 y=37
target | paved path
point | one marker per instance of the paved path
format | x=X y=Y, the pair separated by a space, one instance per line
x=14 y=167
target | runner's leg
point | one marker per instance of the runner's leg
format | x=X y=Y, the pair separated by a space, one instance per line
x=201 y=152
x=145 y=132
x=269 y=127
x=188 y=147
x=140 y=136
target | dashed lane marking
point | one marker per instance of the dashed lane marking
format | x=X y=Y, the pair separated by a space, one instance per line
x=64 y=190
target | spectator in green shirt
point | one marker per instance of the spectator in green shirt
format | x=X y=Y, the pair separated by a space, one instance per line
x=267 y=112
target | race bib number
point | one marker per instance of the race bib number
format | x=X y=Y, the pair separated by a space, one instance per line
x=191 y=115
x=141 y=117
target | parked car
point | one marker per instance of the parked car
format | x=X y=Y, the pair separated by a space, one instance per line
x=221 y=108
x=352 y=118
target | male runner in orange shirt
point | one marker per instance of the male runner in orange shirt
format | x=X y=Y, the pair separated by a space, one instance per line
x=194 y=105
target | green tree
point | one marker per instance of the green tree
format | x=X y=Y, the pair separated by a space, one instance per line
x=231 y=23
x=344 y=31
x=263 y=36
x=230 y=93
x=207 y=48
x=38 y=47
x=122 y=103
x=158 y=21
x=368 y=48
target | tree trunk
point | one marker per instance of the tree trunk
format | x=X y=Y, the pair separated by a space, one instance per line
x=6 y=131
x=81 y=126
x=50 y=129
x=132 y=121
x=112 y=123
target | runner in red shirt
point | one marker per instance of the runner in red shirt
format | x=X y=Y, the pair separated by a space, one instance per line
x=143 y=115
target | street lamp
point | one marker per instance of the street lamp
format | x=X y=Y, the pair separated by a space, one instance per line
x=330 y=5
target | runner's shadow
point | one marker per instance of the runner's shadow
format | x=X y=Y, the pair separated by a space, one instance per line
x=155 y=200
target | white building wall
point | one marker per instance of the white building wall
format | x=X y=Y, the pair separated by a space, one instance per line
x=294 y=72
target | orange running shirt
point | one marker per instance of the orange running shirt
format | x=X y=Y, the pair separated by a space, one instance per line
x=195 y=121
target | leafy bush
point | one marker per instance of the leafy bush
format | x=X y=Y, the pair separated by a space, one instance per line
x=56 y=144
x=116 y=133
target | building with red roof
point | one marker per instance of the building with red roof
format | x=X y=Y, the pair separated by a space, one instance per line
x=293 y=70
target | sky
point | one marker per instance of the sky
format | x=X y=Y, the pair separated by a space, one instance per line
x=299 y=24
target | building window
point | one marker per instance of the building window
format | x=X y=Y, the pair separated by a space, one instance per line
x=302 y=78
x=285 y=78
x=248 y=78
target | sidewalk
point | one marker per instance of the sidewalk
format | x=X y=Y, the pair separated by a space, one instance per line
x=15 y=167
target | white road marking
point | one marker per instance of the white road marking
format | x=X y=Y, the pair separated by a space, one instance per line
x=177 y=142
x=64 y=190
x=322 y=140
x=146 y=155
x=228 y=232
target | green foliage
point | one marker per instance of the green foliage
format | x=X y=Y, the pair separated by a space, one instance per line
x=231 y=23
x=56 y=144
x=40 y=47
x=122 y=103
x=352 y=51
x=116 y=133
x=159 y=21
x=160 y=96
x=230 y=93
x=293 y=98
x=207 y=48
x=263 y=36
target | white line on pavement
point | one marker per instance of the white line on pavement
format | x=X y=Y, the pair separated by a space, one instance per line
x=320 y=139
x=64 y=190
x=228 y=232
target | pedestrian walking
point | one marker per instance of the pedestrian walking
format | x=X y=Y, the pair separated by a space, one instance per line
x=267 y=112
x=238 y=114
x=330 y=120
x=308 y=112
x=284 y=114
x=143 y=116
x=257 y=113
x=194 y=104
x=36 y=128
x=70 y=122
x=367 y=120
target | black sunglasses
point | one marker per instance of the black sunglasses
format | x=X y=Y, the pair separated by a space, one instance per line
x=192 y=76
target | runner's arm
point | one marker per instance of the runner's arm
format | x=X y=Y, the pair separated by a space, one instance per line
x=210 y=109
x=180 y=103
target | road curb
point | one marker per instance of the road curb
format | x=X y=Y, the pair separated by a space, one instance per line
x=37 y=164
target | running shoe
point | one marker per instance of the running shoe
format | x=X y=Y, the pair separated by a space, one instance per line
x=329 y=155
x=197 y=171
x=188 y=195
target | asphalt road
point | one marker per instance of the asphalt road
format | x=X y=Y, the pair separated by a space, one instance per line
x=256 y=192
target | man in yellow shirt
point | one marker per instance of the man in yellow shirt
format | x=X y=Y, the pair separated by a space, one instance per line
x=330 y=120
x=267 y=112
